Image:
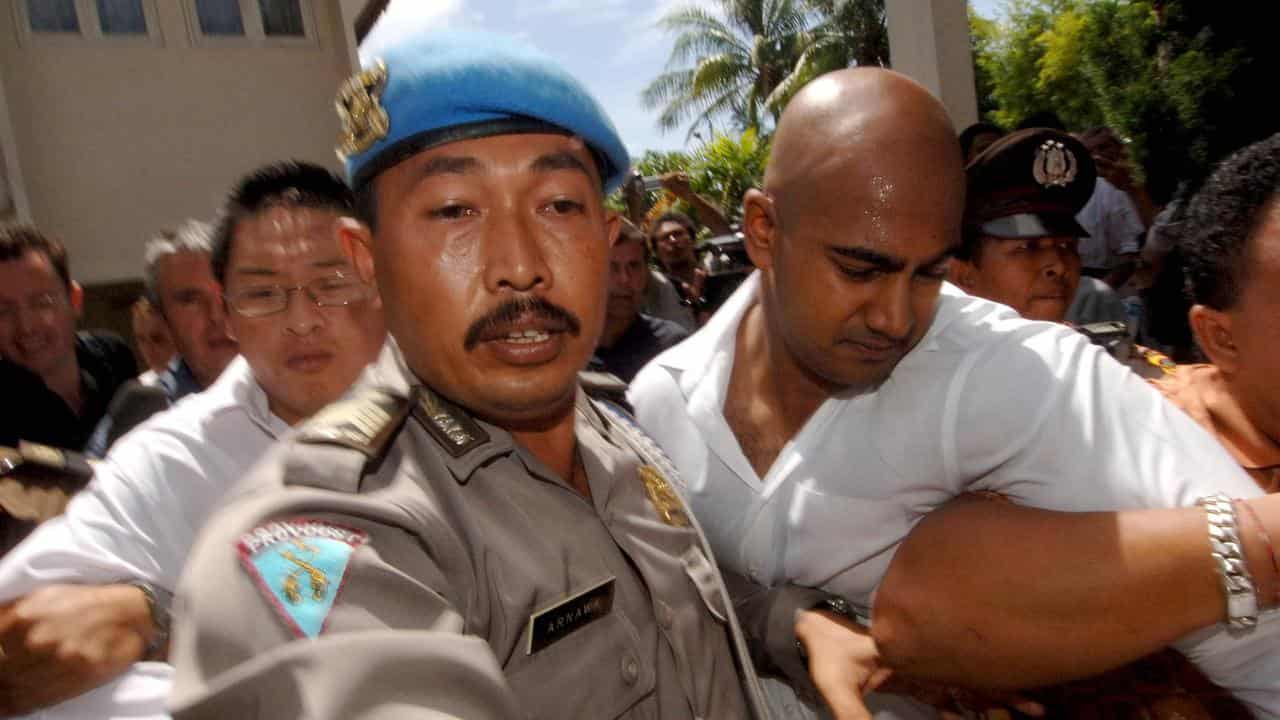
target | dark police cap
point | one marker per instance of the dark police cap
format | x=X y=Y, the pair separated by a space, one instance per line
x=422 y=89
x=1030 y=183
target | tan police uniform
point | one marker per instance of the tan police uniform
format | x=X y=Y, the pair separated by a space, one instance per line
x=399 y=559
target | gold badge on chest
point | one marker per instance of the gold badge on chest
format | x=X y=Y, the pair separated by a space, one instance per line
x=364 y=120
x=663 y=496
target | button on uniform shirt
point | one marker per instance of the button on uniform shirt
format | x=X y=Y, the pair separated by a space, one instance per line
x=1114 y=227
x=140 y=514
x=985 y=401
x=456 y=538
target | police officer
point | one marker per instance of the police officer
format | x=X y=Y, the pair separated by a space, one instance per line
x=1020 y=241
x=467 y=535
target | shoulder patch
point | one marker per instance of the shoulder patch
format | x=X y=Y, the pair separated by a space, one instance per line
x=365 y=422
x=456 y=431
x=299 y=565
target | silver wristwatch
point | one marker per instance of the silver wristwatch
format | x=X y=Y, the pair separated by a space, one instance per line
x=159 y=601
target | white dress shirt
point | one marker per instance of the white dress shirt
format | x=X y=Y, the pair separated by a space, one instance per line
x=1114 y=226
x=985 y=401
x=139 y=516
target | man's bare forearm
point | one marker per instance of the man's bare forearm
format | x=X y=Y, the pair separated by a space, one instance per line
x=989 y=594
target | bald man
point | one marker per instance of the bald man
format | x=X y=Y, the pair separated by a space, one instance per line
x=870 y=392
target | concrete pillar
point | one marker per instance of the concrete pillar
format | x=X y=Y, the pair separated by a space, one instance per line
x=348 y=10
x=929 y=40
x=10 y=170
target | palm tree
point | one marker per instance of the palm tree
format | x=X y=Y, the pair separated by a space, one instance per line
x=848 y=33
x=726 y=64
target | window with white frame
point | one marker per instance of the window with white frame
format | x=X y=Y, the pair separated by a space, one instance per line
x=93 y=20
x=252 y=22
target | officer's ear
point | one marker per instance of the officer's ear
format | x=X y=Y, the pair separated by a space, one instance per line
x=357 y=244
x=1215 y=335
x=759 y=227
x=612 y=226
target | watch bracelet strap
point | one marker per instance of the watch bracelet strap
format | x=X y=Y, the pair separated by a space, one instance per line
x=1228 y=557
x=159 y=603
x=838 y=606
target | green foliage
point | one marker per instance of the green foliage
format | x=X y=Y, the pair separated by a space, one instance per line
x=725 y=68
x=742 y=64
x=725 y=168
x=982 y=36
x=722 y=171
x=1167 y=74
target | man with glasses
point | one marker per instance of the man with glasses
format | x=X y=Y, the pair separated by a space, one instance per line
x=61 y=379
x=306 y=327
x=673 y=237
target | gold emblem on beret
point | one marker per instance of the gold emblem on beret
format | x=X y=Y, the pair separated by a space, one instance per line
x=1055 y=165
x=663 y=496
x=364 y=120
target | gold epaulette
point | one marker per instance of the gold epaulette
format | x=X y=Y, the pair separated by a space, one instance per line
x=365 y=422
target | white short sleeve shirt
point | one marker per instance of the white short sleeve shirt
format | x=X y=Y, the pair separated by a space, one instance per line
x=1114 y=226
x=139 y=516
x=985 y=401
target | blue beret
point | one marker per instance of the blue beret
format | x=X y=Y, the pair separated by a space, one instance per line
x=430 y=88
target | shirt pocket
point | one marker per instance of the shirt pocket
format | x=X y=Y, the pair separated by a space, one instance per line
x=598 y=670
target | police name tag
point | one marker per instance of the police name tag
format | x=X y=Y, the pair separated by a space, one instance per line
x=558 y=621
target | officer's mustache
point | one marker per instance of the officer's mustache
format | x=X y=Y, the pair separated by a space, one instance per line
x=496 y=324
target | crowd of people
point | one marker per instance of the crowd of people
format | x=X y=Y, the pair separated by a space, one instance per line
x=923 y=451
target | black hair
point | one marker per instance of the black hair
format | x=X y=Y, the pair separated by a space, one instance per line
x=18 y=240
x=290 y=184
x=971 y=133
x=1222 y=217
x=676 y=217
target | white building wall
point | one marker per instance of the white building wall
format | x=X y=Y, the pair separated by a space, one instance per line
x=116 y=141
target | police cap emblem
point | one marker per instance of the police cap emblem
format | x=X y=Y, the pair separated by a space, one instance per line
x=1055 y=165
x=364 y=120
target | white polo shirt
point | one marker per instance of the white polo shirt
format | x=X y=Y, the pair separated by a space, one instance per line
x=139 y=516
x=985 y=401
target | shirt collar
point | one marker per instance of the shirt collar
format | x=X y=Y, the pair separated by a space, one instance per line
x=237 y=389
x=692 y=357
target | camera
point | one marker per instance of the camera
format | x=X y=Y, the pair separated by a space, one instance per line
x=725 y=261
x=1112 y=336
x=644 y=183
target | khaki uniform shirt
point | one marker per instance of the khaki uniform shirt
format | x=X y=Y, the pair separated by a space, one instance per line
x=459 y=539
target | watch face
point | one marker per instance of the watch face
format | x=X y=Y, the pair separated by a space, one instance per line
x=841 y=606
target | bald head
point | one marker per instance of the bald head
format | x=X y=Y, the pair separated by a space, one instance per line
x=863 y=201
x=855 y=129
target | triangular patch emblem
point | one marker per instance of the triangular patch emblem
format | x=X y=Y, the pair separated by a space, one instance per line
x=299 y=565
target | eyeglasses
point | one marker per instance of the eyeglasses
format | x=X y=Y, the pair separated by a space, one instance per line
x=331 y=291
x=42 y=304
x=675 y=237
